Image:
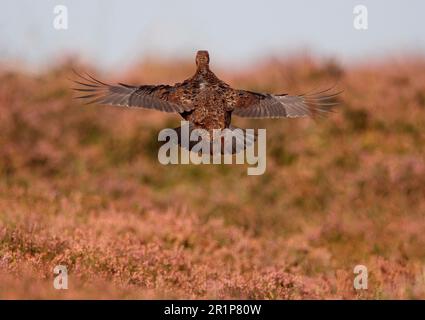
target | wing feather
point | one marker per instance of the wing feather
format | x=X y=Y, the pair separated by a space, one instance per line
x=160 y=97
x=258 y=105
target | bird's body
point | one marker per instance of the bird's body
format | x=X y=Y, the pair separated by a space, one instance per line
x=211 y=110
x=204 y=100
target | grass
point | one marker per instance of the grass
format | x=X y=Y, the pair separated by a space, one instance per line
x=81 y=186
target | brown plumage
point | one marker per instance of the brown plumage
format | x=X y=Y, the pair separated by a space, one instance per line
x=206 y=101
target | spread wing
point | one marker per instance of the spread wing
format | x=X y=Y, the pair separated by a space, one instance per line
x=258 y=105
x=160 y=97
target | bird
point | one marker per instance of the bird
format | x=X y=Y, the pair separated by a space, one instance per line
x=207 y=102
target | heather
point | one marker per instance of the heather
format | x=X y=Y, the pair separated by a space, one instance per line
x=81 y=186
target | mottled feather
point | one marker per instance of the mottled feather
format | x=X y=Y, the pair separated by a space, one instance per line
x=206 y=101
x=160 y=97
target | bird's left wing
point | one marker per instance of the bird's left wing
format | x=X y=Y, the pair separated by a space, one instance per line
x=160 y=97
x=263 y=105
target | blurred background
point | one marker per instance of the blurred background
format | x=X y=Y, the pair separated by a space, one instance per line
x=118 y=33
x=81 y=185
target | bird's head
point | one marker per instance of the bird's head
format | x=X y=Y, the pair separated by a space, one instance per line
x=202 y=59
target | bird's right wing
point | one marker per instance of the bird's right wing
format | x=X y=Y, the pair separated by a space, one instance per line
x=263 y=105
x=160 y=97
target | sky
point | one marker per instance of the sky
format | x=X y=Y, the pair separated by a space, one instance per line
x=114 y=33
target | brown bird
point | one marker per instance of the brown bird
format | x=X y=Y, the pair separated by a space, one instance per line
x=206 y=101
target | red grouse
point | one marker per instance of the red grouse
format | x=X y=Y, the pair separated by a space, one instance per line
x=206 y=101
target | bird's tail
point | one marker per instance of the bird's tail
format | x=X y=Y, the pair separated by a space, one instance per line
x=231 y=140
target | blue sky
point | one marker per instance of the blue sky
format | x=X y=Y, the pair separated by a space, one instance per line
x=112 y=33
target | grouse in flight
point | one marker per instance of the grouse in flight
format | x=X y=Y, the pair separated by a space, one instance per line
x=205 y=101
